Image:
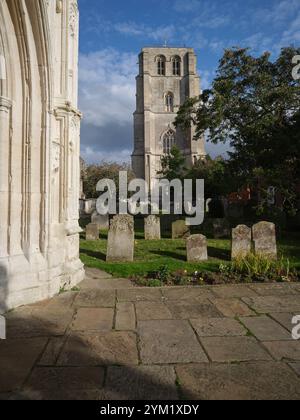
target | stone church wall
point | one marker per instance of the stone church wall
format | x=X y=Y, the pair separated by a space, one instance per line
x=39 y=150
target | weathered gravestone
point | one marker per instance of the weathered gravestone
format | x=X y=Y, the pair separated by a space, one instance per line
x=221 y=228
x=120 y=247
x=180 y=230
x=101 y=221
x=196 y=246
x=264 y=237
x=241 y=242
x=152 y=228
x=92 y=232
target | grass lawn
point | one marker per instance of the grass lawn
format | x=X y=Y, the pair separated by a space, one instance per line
x=151 y=255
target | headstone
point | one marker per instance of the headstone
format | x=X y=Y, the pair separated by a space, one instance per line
x=90 y=206
x=264 y=237
x=120 y=247
x=241 y=242
x=196 y=246
x=101 y=221
x=152 y=228
x=180 y=230
x=221 y=228
x=92 y=232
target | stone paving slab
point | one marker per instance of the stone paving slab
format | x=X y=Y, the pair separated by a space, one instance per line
x=93 y=319
x=62 y=301
x=245 y=381
x=188 y=293
x=234 y=349
x=16 y=360
x=125 y=317
x=265 y=329
x=113 y=348
x=284 y=350
x=95 y=273
x=284 y=319
x=182 y=309
x=138 y=294
x=268 y=304
x=274 y=289
x=71 y=378
x=38 y=321
x=218 y=327
x=232 y=308
x=52 y=351
x=96 y=298
x=53 y=395
x=140 y=383
x=105 y=284
x=147 y=311
x=295 y=367
x=167 y=342
x=120 y=341
x=233 y=291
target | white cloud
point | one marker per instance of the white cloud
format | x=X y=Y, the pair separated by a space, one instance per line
x=186 y=5
x=292 y=34
x=279 y=13
x=159 y=33
x=107 y=87
x=206 y=78
x=258 y=42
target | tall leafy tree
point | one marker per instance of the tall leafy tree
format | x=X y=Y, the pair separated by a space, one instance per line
x=92 y=174
x=254 y=106
x=173 y=165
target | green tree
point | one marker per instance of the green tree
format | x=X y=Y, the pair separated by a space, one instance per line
x=254 y=106
x=173 y=165
x=215 y=174
x=105 y=170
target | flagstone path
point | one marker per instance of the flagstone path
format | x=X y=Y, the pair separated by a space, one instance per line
x=111 y=340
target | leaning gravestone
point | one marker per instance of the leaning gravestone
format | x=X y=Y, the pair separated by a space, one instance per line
x=101 y=221
x=196 y=246
x=92 y=232
x=120 y=247
x=264 y=237
x=152 y=228
x=241 y=242
x=180 y=230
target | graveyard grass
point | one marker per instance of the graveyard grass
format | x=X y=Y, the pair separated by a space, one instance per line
x=152 y=255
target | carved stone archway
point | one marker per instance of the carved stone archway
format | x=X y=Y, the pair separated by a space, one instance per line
x=39 y=150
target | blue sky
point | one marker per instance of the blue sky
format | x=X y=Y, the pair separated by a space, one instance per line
x=113 y=32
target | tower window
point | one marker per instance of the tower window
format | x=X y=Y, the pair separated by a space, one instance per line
x=176 y=61
x=168 y=141
x=170 y=102
x=161 y=65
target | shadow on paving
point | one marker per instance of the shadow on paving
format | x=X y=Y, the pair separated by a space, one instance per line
x=42 y=359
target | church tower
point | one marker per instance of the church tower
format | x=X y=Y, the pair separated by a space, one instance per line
x=167 y=78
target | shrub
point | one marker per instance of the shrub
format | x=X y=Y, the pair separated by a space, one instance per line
x=260 y=268
x=162 y=274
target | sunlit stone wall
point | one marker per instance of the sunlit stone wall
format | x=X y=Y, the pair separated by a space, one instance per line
x=39 y=150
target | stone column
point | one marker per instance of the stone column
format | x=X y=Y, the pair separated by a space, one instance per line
x=5 y=106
